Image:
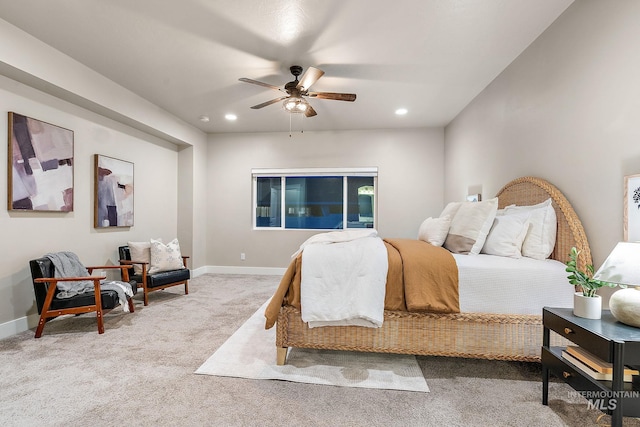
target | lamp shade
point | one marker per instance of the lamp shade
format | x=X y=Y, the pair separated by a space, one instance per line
x=622 y=266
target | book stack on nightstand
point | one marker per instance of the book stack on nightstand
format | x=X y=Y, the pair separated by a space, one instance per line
x=594 y=366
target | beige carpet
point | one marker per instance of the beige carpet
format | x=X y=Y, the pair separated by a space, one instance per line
x=140 y=372
x=251 y=353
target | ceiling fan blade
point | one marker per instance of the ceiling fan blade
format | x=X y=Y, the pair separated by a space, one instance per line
x=273 y=101
x=332 y=95
x=310 y=112
x=255 y=82
x=310 y=76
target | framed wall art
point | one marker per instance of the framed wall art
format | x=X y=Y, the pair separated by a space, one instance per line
x=40 y=166
x=632 y=208
x=113 y=198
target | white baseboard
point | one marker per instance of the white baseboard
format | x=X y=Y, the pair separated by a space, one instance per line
x=24 y=323
x=16 y=326
x=267 y=271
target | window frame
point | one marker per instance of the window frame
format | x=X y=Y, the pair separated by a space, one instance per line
x=256 y=173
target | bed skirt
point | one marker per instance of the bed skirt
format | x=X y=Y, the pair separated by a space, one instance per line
x=470 y=335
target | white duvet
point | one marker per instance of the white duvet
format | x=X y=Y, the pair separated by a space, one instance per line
x=343 y=280
x=502 y=285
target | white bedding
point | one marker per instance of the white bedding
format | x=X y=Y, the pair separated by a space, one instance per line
x=495 y=284
x=343 y=280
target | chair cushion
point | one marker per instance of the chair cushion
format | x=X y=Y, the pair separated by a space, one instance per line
x=164 y=278
x=109 y=300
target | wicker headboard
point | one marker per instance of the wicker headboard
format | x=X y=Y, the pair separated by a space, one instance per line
x=530 y=191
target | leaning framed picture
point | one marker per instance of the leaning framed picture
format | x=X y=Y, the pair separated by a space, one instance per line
x=113 y=198
x=40 y=166
x=632 y=208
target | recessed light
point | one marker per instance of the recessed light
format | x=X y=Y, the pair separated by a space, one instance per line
x=230 y=117
x=401 y=111
x=204 y=119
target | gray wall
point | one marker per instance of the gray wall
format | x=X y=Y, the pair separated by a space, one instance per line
x=30 y=235
x=566 y=110
x=169 y=157
x=410 y=185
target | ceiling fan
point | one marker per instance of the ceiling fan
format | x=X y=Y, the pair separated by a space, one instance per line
x=296 y=90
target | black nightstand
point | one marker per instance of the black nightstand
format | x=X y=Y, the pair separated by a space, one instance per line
x=611 y=341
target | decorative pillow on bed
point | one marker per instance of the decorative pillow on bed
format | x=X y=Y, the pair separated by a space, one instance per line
x=541 y=237
x=470 y=226
x=165 y=257
x=451 y=209
x=506 y=236
x=434 y=230
x=139 y=251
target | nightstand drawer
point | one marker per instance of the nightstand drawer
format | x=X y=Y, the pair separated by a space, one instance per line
x=552 y=359
x=578 y=335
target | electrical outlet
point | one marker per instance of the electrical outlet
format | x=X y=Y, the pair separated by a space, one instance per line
x=242 y=257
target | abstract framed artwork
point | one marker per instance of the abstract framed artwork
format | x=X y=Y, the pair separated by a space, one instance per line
x=40 y=166
x=632 y=208
x=113 y=198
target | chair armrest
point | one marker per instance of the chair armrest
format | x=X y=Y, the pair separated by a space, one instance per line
x=142 y=264
x=128 y=262
x=67 y=279
x=105 y=267
x=124 y=270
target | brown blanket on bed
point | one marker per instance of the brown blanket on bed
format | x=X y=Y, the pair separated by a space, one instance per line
x=421 y=277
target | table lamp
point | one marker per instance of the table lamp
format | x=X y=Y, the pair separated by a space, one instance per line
x=622 y=267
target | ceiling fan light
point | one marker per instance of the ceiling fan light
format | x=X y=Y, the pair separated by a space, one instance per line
x=295 y=105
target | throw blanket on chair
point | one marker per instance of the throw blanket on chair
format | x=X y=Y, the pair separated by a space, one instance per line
x=67 y=264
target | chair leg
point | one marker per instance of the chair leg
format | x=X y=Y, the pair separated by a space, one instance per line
x=130 y=301
x=99 y=307
x=40 y=327
x=146 y=297
x=186 y=287
x=45 y=309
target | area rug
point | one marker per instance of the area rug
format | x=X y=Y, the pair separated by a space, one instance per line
x=251 y=353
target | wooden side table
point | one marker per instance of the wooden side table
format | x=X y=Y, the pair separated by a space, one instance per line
x=606 y=338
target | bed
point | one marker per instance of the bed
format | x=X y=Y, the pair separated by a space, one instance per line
x=513 y=336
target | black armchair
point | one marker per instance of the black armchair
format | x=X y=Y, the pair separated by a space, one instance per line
x=154 y=282
x=49 y=305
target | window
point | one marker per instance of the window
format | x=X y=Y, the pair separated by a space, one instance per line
x=314 y=199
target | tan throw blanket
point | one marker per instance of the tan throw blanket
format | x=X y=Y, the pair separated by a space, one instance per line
x=430 y=276
x=421 y=277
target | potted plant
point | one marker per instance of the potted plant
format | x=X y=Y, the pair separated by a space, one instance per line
x=586 y=303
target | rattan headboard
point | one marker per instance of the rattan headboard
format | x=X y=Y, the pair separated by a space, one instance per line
x=529 y=191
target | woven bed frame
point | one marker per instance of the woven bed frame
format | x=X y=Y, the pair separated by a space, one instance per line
x=469 y=335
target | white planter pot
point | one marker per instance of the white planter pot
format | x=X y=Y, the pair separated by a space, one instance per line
x=587 y=307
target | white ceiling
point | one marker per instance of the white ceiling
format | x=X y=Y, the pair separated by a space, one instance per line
x=429 y=56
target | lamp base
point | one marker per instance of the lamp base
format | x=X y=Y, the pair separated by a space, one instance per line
x=625 y=306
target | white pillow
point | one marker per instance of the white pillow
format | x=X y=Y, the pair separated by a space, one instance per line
x=165 y=257
x=470 y=226
x=541 y=237
x=451 y=209
x=506 y=236
x=141 y=252
x=434 y=230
